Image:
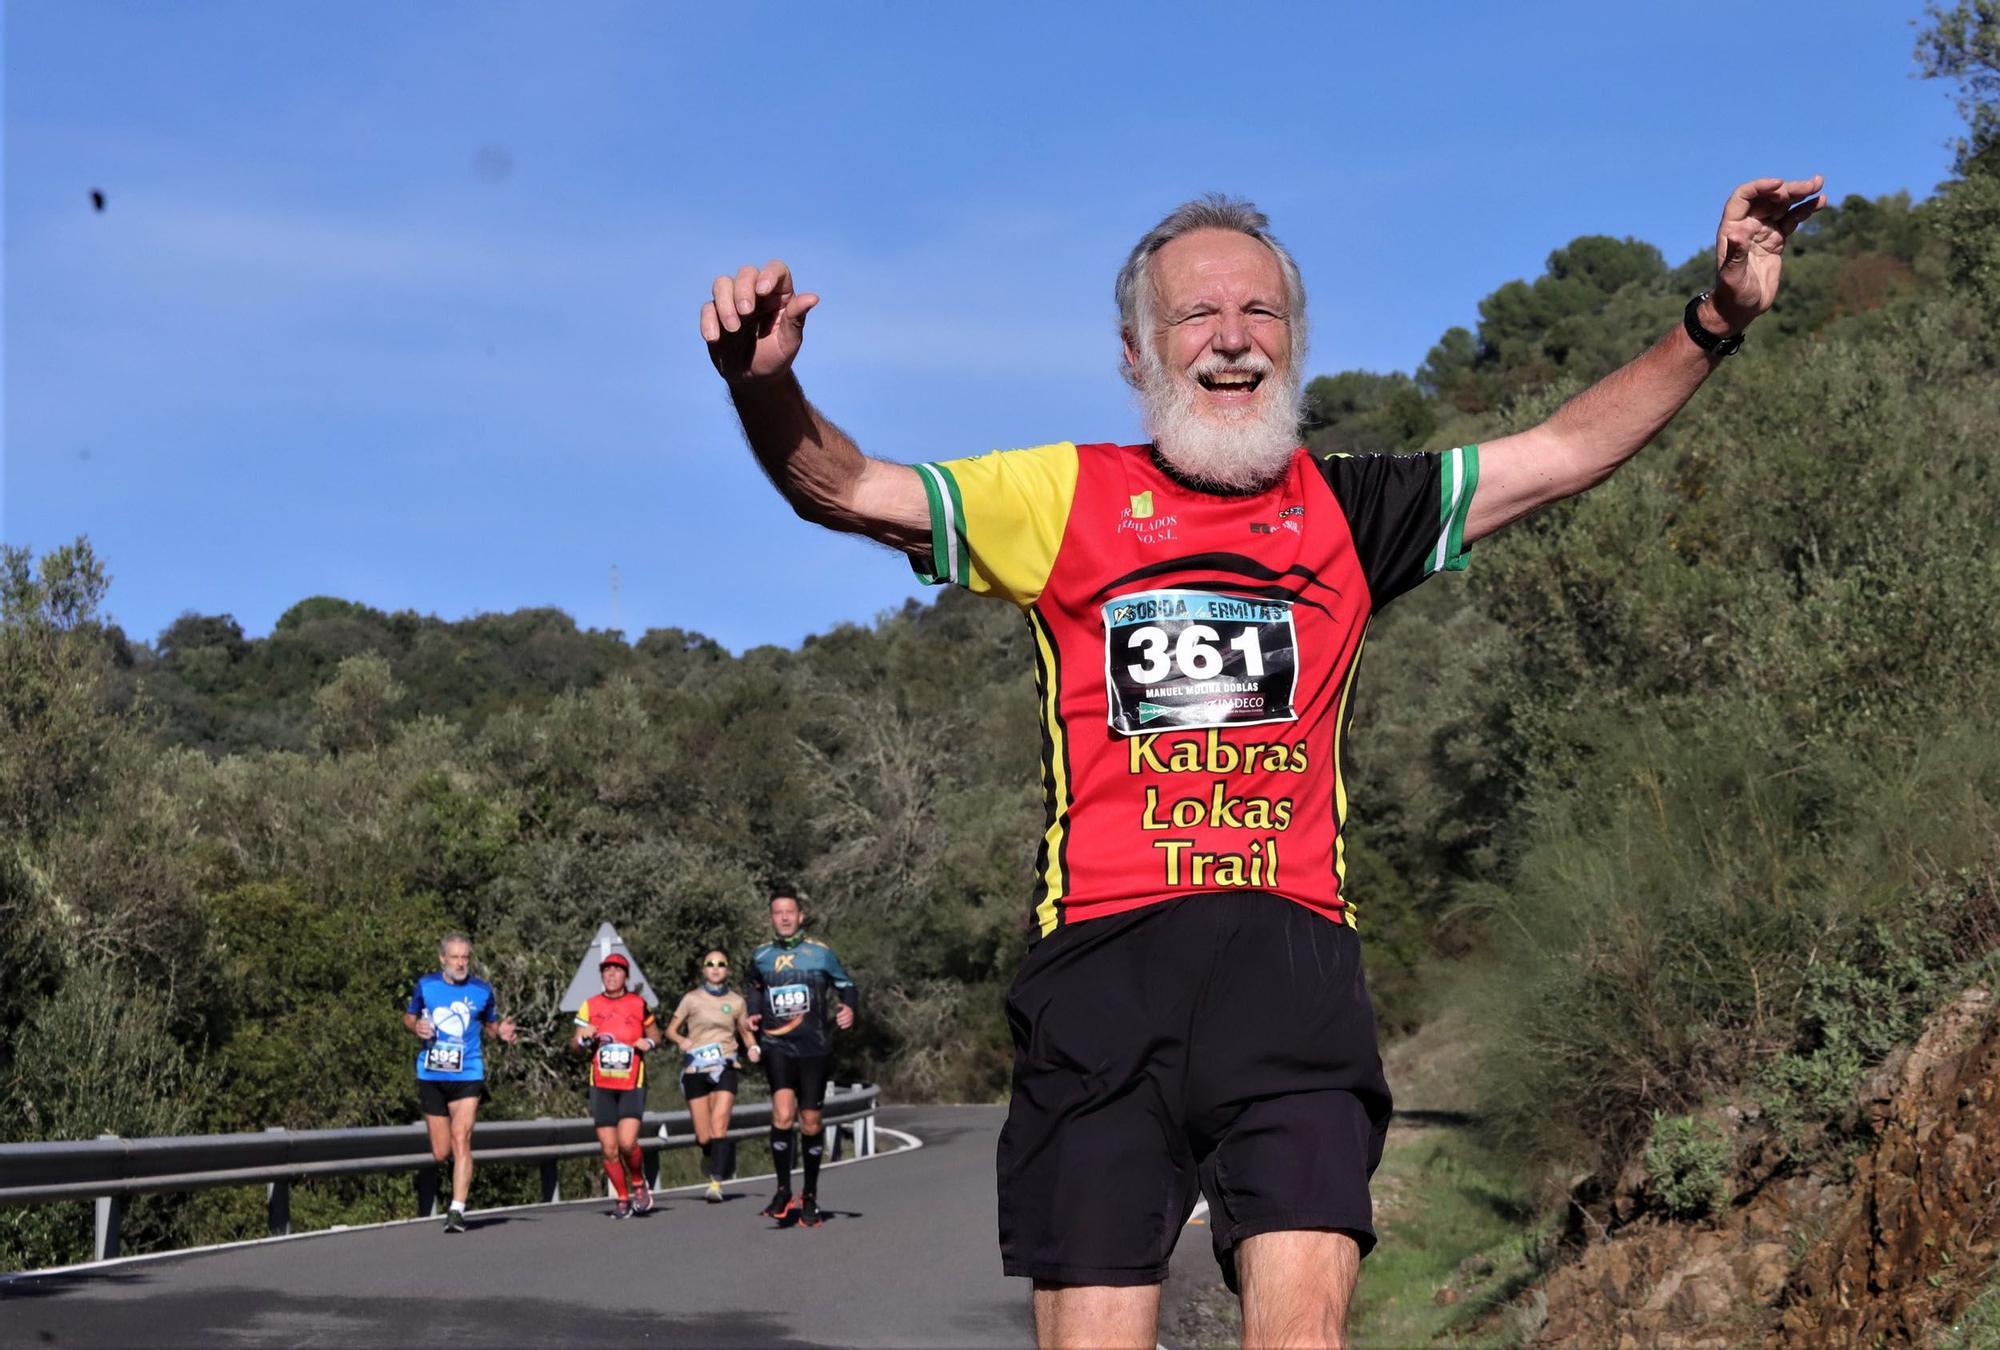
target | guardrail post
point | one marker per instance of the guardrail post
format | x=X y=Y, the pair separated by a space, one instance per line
x=110 y=1216
x=551 y=1182
x=278 y=1198
x=867 y=1149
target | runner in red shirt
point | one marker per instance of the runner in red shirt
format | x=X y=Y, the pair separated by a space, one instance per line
x=616 y=1030
x=1192 y=1016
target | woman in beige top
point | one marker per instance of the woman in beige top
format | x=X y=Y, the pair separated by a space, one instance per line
x=710 y=1028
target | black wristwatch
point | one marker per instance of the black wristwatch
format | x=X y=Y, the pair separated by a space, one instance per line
x=1714 y=345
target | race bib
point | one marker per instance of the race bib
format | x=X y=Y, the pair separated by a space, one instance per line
x=703 y=1058
x=442 y=1058
x=1198 y=659
x=614 y=1058
x=791 y=1000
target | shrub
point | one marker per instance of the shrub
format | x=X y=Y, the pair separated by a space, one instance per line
x=1687 y=1162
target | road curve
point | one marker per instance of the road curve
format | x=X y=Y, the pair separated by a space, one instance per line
x=907 y=1257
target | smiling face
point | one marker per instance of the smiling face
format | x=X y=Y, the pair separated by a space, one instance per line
x=1215 y=367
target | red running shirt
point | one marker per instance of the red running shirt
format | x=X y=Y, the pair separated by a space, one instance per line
x=625 y=1019
x=1195 y=654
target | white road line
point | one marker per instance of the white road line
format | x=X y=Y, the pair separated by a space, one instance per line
x=910 y=1143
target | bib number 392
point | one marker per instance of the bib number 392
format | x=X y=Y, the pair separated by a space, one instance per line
x=441 y=1058
x=1198 y=659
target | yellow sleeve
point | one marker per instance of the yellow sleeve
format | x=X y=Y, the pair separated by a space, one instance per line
x=583 y=1014
x=997 y=520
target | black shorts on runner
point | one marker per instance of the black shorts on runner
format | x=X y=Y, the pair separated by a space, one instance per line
x=608 y=1106
x=1215 y=1044
x=435 y=1098
x=803 y=1074
x=699 y=1085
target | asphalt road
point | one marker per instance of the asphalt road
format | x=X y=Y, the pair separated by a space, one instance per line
x=907 y=1257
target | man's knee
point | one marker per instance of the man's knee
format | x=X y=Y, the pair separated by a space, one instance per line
x=1297 y=1286
x=809 y=1121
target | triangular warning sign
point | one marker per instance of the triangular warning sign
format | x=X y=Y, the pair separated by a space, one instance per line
x=586 y=983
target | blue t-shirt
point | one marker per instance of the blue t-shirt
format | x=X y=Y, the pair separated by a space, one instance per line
x=456 y=1013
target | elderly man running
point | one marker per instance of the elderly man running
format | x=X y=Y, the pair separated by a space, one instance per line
x=1192 y=1016
x=447 y=1012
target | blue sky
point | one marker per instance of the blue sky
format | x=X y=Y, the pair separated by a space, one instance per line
x=396 y=301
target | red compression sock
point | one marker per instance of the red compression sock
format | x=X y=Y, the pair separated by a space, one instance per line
x=616 y=1171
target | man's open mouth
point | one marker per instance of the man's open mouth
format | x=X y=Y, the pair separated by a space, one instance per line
x=1231 y=381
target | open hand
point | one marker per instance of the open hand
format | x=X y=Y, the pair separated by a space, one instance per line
x=505 y=1031
x=755 y=322
x=1750 y=243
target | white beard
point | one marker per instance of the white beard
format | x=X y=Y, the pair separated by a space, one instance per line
x=1242 y=449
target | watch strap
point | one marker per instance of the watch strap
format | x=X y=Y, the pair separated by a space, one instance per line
x=1715 y=344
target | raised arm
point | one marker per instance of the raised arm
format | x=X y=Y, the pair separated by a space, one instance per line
x=1608 y=423
x=754 y=325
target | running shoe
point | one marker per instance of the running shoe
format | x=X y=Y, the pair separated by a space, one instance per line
x=642 y=1199
x=714 y=1192
x=809 y=1215
x=623 y=1210
x=781 y=1204
x=454 y=1221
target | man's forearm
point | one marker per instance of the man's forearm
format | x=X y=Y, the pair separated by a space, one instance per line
x=811 y=462
x=1613 y=420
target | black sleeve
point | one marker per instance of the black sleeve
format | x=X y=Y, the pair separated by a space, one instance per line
x=1406 y=512
x=844 y=987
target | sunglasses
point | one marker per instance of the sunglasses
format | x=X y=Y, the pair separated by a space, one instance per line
x=715 y=965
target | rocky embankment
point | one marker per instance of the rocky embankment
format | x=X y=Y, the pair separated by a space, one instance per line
x=1878 y=1253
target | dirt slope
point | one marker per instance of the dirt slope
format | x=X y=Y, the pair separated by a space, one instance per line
x=1820 y=1260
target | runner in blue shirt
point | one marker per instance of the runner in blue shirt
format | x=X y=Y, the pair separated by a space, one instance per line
x=449 y=1011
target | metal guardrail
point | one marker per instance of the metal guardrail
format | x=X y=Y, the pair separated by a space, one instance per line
x=108 y=1169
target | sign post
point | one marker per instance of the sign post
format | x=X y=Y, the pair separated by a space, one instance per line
x=586 y=983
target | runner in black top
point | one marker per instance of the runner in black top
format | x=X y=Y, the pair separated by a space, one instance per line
x=793 y=982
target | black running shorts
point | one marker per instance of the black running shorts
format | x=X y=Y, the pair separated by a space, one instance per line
x=608 y=1106
x=435 y=1098
x=803 y=1074
x=1215 y=1044
x=699 y=1085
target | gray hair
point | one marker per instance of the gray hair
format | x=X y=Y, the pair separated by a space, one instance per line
x=450 y=938
x=1210 y=211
